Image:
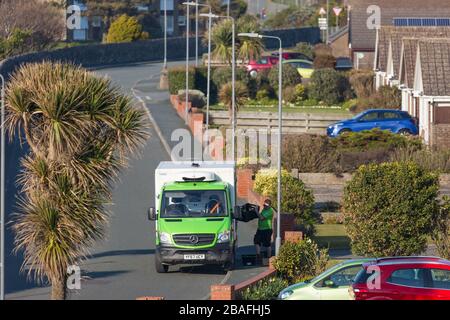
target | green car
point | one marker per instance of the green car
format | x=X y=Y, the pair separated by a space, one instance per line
x=333 y=284
x=304 y=67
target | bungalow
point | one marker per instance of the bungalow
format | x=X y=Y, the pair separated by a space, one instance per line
x=389 y=49
x=366 y=17
x=431 y=89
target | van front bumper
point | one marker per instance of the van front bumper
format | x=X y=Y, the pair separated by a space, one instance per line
x=219 y=254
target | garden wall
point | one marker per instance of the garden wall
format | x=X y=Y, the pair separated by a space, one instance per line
x=142 y=51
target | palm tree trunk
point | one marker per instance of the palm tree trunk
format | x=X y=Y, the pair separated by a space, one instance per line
x=58 y=289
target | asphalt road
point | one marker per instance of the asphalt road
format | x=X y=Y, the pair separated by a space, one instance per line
x=122 y=266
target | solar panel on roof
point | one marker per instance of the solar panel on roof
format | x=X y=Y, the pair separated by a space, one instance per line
x=421 y=22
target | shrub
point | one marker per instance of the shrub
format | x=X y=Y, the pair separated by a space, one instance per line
x=221 y=76
x=291 y=77
x=374 y=139
x=329 y=86
x=226 y=95
x=263 y=94
x=432 y=160
x=177 y=79
x=362 y=82
x=322 y=49
x=301 y=93
x=323 y=61
x=296 y=198
x=309 y=153
x=390 y=97
x=289 y=95
x=125 y=29
x=298 y=262
x=388 y=209
x=332 y=218
x=350 y=104
x=201 y=80
x=196 y=98
x=305 y=48
x=267 y=289
x=386 y=97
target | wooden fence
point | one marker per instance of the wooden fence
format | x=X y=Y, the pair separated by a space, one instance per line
x=293 y=123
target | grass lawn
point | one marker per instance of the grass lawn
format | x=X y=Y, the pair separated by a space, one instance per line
x=332 y=236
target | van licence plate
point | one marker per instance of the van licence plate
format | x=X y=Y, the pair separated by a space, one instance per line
x=194 y=257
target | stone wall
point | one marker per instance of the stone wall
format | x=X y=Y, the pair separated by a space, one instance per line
x=142 y=51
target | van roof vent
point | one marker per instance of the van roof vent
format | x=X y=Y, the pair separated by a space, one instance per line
x=196 y=177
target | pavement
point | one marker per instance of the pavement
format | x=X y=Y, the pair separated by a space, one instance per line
x=122 y=265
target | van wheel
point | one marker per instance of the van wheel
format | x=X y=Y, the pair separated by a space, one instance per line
x=230 y=265
x=160 y=268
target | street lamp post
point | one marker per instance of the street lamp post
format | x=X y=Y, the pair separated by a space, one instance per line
x=2 y=197
x=163 y=81
x=196 y=33
x=280 y=129
x=165 y=34
x=186 y=101
x=228 y=8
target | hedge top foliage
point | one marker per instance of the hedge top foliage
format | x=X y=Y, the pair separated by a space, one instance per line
x=389 y=209
x=301 y=261
x=296 y=198
x=374 y=139
x=125 y=29
x=329 y=86
x=291 y=77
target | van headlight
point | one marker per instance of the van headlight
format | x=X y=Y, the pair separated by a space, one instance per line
x=285 y=294
x=223 y=237
x=165 y=238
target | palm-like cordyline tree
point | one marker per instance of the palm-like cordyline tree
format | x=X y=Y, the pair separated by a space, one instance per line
x=249 y=48
x=222 y=40
x=226 y=96
x=80 y=130
x=246 y=48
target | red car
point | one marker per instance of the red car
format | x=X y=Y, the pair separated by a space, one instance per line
x=264 y=63
x=292 y=56
x=403 y=278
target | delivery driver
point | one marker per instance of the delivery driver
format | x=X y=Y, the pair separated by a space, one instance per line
x=263 y=236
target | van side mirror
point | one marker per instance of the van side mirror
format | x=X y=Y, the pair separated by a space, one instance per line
x=237 y=214
x=152 y=214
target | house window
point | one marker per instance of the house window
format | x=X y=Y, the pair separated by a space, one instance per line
x=170 y=24
x=169 y=4
x=421 y=22
x=96 y=21
x=82 y=33
x=182 y=21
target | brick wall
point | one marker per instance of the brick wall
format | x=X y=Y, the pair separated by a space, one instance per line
x=440 y=136
x=244 y=182
x=340 y=46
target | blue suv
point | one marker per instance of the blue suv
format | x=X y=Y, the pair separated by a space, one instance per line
x=395 y=121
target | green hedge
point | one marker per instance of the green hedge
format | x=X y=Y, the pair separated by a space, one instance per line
x=389 y=209
x=177 y=79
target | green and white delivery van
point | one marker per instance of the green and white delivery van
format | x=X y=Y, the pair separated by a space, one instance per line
x=196 y=214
